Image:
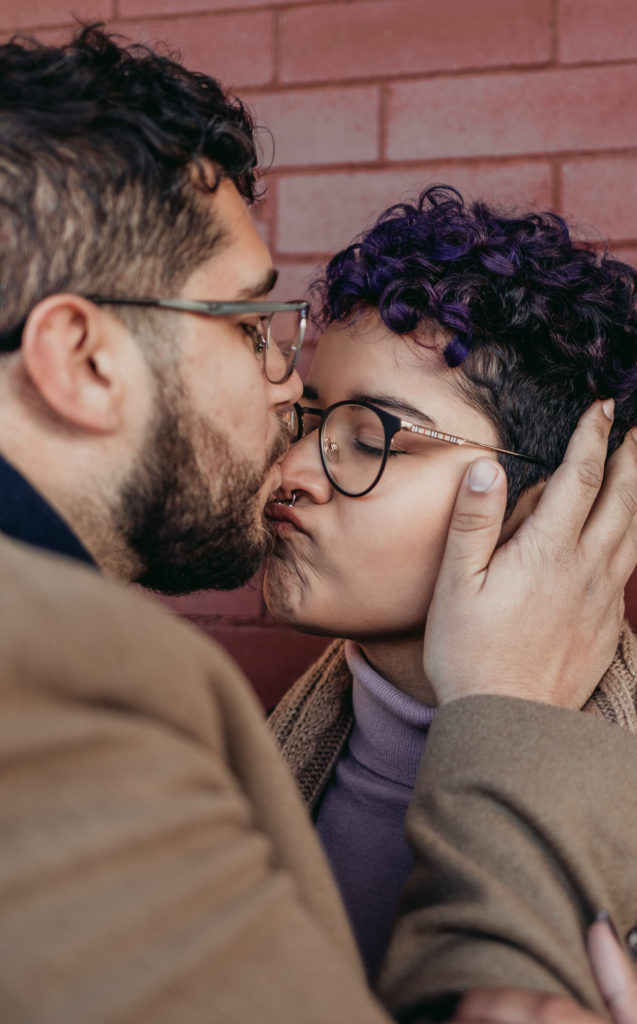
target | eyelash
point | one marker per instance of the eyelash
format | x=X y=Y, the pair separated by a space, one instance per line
x=255 y=335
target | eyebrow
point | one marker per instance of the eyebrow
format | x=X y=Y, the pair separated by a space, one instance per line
x=262 y=287
x=386 y=401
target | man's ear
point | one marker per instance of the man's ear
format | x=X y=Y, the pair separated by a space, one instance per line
x=525 y=505
x=72 y=354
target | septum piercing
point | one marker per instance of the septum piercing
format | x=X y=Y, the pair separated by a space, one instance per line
x=287 y=501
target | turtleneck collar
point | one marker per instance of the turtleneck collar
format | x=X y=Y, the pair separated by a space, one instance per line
x=390 y=727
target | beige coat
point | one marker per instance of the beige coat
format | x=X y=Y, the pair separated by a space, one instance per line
x=156 y=863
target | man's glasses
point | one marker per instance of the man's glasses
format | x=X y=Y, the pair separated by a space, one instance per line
x=357 y=438
x=277 y=331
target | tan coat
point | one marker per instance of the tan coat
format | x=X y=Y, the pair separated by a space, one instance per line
x=156 y=864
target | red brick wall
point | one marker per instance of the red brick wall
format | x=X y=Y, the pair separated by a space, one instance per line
x=368 y=100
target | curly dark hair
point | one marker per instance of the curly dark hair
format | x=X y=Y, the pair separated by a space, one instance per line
x=537 y=325
x=98 y=143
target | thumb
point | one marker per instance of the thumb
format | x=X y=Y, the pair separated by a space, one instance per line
x=476 y=522
x=613 y=973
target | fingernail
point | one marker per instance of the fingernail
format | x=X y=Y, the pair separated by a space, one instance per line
x=608 y=408
x=483 y=474
x=604 y=917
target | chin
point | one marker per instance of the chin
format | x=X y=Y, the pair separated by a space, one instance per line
x=284 y=590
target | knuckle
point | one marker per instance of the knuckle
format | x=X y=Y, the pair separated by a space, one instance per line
x=627 y=498
x=467 y=522
x=590 y=474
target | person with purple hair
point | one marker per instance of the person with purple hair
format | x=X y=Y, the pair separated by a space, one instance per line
x=451 y=332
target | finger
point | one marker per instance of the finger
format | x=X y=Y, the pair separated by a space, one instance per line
x=613 y=974
x=518 y=1006
x=476 y=522
x=571 y=492
x=612 y=526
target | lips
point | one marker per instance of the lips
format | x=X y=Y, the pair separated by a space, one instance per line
x=284 y=518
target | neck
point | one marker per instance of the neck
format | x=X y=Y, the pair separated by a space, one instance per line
x=400 y=662
x=89 y=517
x=94 y=527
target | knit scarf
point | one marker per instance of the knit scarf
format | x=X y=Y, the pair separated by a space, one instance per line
x=313 y=720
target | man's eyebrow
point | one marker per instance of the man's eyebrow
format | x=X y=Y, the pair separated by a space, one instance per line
x=262 y=287
x=395 y=405
x=310 y=392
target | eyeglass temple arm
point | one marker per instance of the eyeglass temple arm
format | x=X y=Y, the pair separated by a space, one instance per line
x=438 y=435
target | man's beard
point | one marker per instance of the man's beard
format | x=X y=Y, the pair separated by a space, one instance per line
x=190 y=530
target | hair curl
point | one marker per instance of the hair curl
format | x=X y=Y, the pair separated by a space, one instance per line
x=538 y=326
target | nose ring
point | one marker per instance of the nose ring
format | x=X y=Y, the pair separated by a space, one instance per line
x=287 y=501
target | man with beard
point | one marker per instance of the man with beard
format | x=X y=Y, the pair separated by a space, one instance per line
x=155 y=863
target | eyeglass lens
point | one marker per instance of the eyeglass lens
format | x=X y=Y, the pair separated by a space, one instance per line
x=283 y=333
x=353 y=447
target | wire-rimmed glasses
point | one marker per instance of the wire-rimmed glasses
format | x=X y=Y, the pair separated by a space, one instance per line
x=355 y=441
x=278 y=331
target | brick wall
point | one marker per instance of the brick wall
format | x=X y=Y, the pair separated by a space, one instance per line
x=369 y=100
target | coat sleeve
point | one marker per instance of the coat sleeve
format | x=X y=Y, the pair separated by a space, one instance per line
x=523 y=824
x=156 y=864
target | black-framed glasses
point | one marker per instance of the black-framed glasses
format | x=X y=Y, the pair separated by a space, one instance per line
x=277 y=333
x=356 y=439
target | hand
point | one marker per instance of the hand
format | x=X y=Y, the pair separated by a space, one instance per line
x=517 y=1006
x=614 y=976
x=539 y=616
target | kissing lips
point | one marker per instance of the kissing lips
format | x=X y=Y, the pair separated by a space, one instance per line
x=285 y=521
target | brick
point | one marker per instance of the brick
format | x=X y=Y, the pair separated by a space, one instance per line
x=272 y=658
x=321 y=213
x=379 y=38
x=321 y=126
x=294 y=279
x=507 y=114
x=139 y=8
x=235 y=48
x=19 y=15
x=600 y=195
x=625 y=253
x=589 y=31
x=52 y=36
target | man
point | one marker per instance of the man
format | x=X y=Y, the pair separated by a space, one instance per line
x=155 y=864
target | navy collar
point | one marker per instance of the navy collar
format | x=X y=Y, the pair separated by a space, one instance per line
x=26 y=516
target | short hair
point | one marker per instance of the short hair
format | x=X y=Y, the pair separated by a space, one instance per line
x=106 y=151
x=537 y=325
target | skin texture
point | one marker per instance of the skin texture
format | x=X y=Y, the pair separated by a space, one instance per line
x=366 y=567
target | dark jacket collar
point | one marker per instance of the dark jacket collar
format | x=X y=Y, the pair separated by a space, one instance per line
x=26 y=516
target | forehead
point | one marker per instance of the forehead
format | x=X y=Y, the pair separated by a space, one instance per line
x=367 y=359
x=241 y=265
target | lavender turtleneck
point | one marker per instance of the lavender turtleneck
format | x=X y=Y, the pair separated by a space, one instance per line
x=361 y=815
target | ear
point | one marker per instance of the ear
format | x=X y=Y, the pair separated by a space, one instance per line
x=72 y=354
x=525 y=505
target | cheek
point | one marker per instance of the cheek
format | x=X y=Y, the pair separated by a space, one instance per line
x=393 y=559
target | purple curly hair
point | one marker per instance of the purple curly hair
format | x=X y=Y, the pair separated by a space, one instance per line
x=538 y=325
